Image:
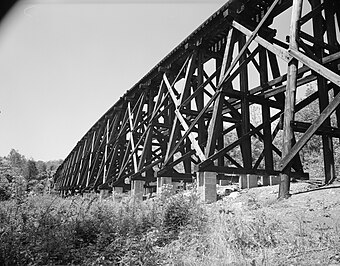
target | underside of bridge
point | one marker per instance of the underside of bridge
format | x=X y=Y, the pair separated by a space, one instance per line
x=222 y=103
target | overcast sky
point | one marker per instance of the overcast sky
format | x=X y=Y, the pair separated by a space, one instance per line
x=63 y=65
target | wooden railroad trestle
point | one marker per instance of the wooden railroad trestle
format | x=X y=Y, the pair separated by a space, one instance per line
x=195 y=110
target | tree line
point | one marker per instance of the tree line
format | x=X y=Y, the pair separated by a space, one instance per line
x=19 y=175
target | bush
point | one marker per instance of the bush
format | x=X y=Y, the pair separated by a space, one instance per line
x=47 y=230
x=5 y=193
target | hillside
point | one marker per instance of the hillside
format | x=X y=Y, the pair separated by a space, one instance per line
x=302 y=230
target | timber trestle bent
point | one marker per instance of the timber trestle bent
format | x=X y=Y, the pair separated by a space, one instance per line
x=222 y=103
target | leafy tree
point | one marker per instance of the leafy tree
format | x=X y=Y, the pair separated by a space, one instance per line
x=31 y=170
x=17 y=160
x=41 y=166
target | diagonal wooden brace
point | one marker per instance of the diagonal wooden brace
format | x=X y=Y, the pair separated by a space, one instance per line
x=181 y=119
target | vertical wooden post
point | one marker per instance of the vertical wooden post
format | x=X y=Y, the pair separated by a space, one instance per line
x=106 y=149
x=90 y=160
x=246 y=144
x=267 y=134
x=81 y=162
x=200 y=100
x=327 y=144
x=288 y=133
x=134 y=157
x=220 y=138
x=151 y=105
x=330 y=7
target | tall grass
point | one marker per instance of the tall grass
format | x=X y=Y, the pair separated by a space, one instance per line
x=43 y=230
x=167 y=230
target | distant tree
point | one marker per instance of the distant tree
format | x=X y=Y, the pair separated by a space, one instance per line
x=12 y=182
x=41 y=166
x=16 y=159
x=31 y=170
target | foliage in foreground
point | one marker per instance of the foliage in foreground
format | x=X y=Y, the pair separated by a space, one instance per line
x=168 y=230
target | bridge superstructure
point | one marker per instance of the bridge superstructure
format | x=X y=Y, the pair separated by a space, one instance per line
x=222 y=103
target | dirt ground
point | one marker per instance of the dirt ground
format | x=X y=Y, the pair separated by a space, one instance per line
x=311 y=216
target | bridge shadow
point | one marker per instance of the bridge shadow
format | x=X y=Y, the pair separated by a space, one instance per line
x=316 y=189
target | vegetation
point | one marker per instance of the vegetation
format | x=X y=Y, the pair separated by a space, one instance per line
x=19 y=175
x=170 y=230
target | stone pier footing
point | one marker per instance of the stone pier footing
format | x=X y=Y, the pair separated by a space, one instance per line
x=116 y=191
x=104 y=193
x=163 y=181
x=274 y=180
x=137 y=189
x=207 y=186
x=247 y=181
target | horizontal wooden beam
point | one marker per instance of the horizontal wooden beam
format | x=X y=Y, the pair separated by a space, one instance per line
x=175 y=176
x=242 y=171
x=282 y=88
x=323 y=130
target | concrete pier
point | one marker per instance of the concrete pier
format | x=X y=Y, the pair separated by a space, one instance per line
x=116 y=191
x=137 y=189
x=103 y=194
x=247 y=181
x=274 y=180
x=207 y=186
x=161 y=181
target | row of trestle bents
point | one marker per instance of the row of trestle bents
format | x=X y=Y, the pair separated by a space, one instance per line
x=221 y=104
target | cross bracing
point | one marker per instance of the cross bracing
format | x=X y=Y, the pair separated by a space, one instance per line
x=229 y=88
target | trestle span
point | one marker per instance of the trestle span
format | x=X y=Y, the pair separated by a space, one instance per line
x=221 y=104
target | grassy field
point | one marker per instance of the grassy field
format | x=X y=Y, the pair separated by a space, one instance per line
x=252 y=228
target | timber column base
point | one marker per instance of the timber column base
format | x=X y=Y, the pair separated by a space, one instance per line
x=163 y=181
x=207 y=186
x=137 y=189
